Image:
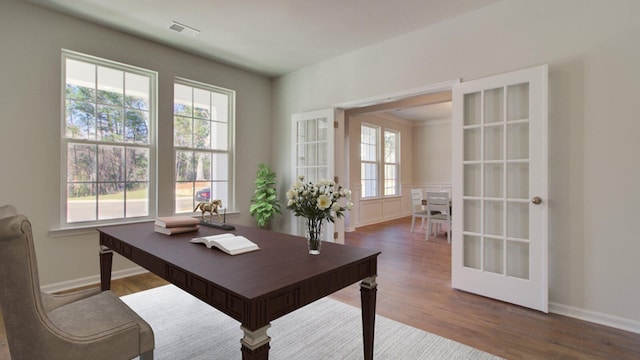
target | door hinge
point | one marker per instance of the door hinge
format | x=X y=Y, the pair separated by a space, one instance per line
x=335 y=235
x=335 y=179
x=335 y=124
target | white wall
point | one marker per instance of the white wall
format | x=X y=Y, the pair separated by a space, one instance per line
x=592 y=50
x=30 y=81
x=432 y=152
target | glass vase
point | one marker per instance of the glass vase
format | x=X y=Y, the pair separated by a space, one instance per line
x=314 y=236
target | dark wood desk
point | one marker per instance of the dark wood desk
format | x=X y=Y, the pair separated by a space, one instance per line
x=253 y=288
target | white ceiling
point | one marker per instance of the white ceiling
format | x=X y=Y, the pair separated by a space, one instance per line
x=270 y=37
x=274 y=37
x=438 y=111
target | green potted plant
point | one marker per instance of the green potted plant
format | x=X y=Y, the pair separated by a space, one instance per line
x=265 y=204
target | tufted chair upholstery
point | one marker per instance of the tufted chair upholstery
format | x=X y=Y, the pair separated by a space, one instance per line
x=84 y=325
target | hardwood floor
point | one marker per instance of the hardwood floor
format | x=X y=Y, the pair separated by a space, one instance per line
x=414 y=287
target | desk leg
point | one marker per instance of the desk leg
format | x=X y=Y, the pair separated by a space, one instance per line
x=255 y=344
x=368 y=289
x=106 y=261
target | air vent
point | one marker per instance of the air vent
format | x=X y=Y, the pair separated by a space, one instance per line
x=184 y=29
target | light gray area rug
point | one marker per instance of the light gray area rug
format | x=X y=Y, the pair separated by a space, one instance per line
x=187 y=328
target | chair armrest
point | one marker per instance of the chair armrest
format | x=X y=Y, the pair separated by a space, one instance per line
x=54 y=301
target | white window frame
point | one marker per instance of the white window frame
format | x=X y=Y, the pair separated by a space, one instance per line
x=150 y=146
x=395 y=164
x=229 y=201
x=375 y=162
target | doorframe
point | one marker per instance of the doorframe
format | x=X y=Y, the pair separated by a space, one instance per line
x=341 y=140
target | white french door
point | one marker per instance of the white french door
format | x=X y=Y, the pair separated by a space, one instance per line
x=313 y=155
x=500 y=205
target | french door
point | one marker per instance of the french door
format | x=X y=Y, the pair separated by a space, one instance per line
x=500 y=204
x=313 y=155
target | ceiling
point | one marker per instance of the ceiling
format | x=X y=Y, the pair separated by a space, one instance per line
x=431 y=112
x=273 y=37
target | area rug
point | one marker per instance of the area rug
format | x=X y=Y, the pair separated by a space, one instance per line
x=187 y=328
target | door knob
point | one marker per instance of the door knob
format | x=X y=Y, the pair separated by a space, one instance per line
x=536 y=200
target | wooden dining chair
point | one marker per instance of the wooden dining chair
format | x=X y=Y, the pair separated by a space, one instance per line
x=417 y=210
x=438 y=212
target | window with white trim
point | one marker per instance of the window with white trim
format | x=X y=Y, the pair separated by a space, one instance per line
x=203 y=118
x=369 y=160
x=391 y=162
x=108 y=146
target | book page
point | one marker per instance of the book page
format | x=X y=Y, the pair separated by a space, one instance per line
x=235 y=243
x=228 y=243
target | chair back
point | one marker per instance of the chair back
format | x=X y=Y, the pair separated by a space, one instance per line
x=438 y=201
x=416 y=200
x=20 y=297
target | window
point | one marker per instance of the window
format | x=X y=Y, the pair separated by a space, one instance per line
x=203 y=118
x=372 y=169
x=391 y=162
x=369 y=160
x=107 y=140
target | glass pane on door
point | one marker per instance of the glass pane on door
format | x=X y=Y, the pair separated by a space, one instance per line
x=496 y=180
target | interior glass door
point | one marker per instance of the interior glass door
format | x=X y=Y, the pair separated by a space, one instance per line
x=500 y=242
x=313 y=154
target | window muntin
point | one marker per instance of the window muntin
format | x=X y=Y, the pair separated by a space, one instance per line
x=108 y=147
x=203 y=118
x=369 y=160
x=391 y=162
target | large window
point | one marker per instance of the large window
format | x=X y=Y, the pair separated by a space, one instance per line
x=391 y=162
x=369 y=160
x=376 y=173
x=202 y=139
x=107 y=139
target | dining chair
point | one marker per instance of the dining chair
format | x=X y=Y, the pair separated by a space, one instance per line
x=417 y=210
x=87 y=324
x=438 y=212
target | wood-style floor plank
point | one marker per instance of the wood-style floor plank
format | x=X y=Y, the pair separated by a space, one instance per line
x=414 y=287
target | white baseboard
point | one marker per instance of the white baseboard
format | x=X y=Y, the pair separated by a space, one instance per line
x=595 y=317
x=90 y=280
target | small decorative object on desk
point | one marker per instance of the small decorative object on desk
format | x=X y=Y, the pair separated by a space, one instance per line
x=212 y=208
x=317 y=202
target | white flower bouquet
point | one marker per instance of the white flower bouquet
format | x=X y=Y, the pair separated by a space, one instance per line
x=322 y=200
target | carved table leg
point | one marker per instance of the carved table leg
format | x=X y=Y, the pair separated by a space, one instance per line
x=255 y=344
x=368 y=289
x=106 y=261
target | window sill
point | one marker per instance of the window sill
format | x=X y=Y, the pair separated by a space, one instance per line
x=88 y=229
x=381 y=198
x=91 y=229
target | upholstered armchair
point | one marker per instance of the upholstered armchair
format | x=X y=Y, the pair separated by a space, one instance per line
x=84 y=325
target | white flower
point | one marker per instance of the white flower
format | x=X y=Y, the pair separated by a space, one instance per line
x=317 y=201
x=323 y=202
x=349 y=205
x=291 y=194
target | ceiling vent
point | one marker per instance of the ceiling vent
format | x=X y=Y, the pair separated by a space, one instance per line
x=184 y=29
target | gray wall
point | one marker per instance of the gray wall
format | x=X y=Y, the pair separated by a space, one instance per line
x=592 y=50
x=30 y=108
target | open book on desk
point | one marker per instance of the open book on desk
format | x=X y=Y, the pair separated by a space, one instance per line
x=229 y=243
